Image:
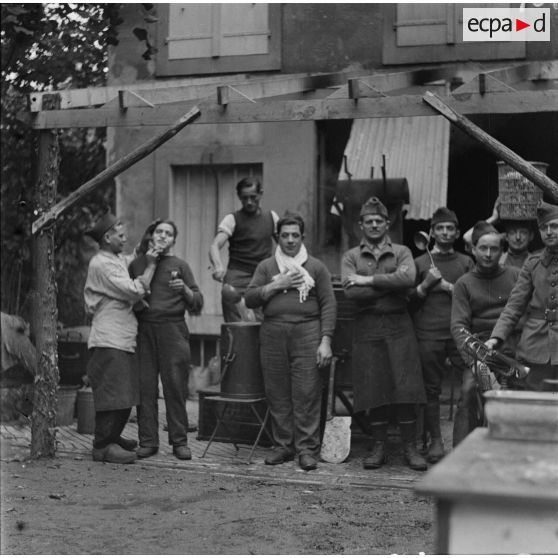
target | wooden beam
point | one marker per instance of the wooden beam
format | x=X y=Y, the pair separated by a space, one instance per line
x=184 y=90
x=116 y=168
x=546 y=70
x=397 y=80
x=546 y=184
x=284 y=111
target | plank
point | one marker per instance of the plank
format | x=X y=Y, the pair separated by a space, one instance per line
x=546 y=70
x=285 y=110
x=546 y=184
x=48 y=217
x=161 y=92
x=396 y=80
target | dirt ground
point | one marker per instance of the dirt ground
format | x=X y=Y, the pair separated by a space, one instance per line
x=72 y=505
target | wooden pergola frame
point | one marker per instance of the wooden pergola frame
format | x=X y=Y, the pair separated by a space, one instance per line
x=343 y=95
x=237 y=99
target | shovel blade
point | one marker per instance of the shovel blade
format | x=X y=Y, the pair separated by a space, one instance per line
x=336 y=443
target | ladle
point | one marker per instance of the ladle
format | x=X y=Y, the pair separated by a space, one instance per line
x=422 y=240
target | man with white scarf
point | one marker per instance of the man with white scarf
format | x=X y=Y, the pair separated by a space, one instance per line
x=299 y=310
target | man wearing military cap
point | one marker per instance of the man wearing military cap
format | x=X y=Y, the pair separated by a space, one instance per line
x=377 y=275
x=109 y=296
x=536 y=295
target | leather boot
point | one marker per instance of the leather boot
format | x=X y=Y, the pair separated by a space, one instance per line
x=432 y=423
x=377 y=457
x=435 y=451
x=412 y=456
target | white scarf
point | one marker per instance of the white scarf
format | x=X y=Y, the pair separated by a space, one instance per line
x=287 y=263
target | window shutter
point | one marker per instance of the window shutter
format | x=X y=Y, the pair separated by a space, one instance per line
x=217 y=30
x=423 y=33
x=244 y=29
x=422 y=24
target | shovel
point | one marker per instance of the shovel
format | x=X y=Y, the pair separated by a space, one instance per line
x=336 y=443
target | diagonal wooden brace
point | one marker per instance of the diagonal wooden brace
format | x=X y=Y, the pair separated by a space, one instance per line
x=546 y=184
x=113 y=170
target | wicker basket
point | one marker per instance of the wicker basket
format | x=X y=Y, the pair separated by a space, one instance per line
x=519 y=197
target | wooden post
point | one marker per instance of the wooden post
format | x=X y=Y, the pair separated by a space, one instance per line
x=44 y=313
x=116 y=168
x=546 y=184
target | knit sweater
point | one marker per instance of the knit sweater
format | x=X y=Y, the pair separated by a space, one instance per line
x=478 y=301
x=166 y=305
x=432 y=315
x=285 y=306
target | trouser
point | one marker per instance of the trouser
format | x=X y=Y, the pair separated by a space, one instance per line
x=163 y=349
x=433 y=355
x=240 y=281
x=109 y=426
x=293 y=384
x=405 y=414
x=468 y=414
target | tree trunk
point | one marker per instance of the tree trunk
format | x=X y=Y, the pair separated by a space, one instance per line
x=44 y=311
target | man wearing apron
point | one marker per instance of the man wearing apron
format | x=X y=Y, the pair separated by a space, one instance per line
x=378 y=275
x=109 y=295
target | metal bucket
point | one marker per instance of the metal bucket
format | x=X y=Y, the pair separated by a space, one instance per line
x=85 y=411
x=241 y=372
x=519 y=197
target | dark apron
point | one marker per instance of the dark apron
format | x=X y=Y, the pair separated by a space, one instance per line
x=113 y=376
x=386 y=362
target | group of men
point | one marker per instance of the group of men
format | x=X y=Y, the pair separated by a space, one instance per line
x=409 y=321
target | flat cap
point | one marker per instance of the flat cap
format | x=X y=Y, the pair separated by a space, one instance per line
x=546 y=212
x=374 y=206
x=106 y=222
x=480 y=229
x=444 y=215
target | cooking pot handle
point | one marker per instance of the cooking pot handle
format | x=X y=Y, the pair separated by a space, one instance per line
x=230 y=355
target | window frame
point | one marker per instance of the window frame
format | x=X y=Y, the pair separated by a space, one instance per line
x=449 y=52
x=222 y=64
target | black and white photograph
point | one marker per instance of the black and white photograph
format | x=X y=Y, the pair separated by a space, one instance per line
x=279 y=279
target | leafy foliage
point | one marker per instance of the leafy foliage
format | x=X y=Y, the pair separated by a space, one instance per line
x=49 y=47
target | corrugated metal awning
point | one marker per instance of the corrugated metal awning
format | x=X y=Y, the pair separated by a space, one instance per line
x=415 y=147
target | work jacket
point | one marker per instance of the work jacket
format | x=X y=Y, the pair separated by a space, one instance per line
x=536 y=296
